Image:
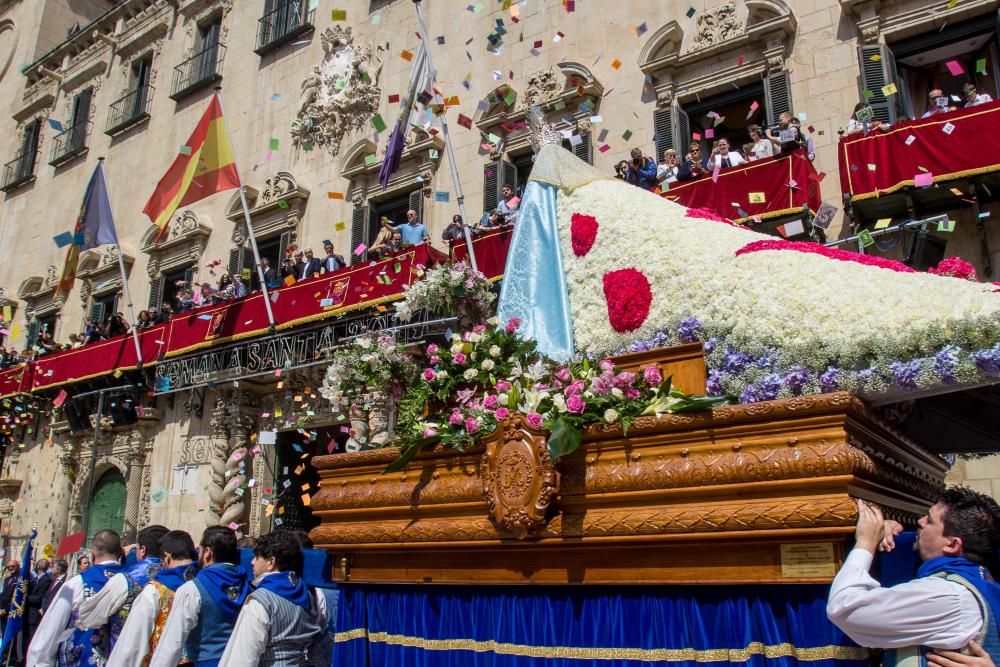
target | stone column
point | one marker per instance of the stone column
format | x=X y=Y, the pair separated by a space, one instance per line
x=135 y=456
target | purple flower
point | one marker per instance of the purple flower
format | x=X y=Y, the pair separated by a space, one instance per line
x=459 y=358
x=689 y=330
x=946 y=363
x=490 y=402
x=456 y=418
x=632 y=393
x=503 y=386
x=501 y=414
x=652 y=376
x=471 y=425
x=905 y=373
x=988 y=361
x=512 y=325
x=479 y=328
x=624 y=380
x=770 y=385
x=575 y=404
x=830 y=380
x=563 y=374
x=534 y=419
x=796 y=379
x=735 y=361
x=429 y=433
x=714 y=384
x=607 y=365
x=710 y=345
x=574 y=388
x=600 y=385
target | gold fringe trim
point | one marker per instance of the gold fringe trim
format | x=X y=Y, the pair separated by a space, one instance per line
x=943 y=177
x=784 y=650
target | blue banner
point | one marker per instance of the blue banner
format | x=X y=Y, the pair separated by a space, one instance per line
x=15 y=615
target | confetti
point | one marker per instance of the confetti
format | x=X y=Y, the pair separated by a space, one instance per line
x=62 y=240
x=184 y=150
x=889 y=89
x=275 y=97
x=955 y=68
x=948 y=128
x=406 y=55
x=360 y=249
x=442 y=196
x=882 y=223
x=865 y=237
x=946 y=226
x=616 y=64
x=273 y=144
x=757 y=198
x=910 y=139
x=338 y=15
x=340 y=226
x=923 y=180
x=465 y=121
x=378 y=123
x=981 y=66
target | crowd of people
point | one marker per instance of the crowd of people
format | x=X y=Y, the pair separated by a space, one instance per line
x=937 y=104
x=173 y=603
x=643 y=171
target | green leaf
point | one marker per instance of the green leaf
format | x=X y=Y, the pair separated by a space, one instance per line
x=696 y=403
x=406 y=456
x=564 y=438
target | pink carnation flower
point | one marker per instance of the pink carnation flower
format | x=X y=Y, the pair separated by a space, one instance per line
x=512 y=325
x=491 y=402
x=503 y=386
x=455 y=419
x=432 y=348
x=574 y=388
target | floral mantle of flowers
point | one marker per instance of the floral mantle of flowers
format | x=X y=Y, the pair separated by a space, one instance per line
x=483 y=375
x=370 y=364
x=449 y=289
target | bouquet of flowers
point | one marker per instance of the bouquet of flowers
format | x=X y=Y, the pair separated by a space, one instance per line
x=449 y=289
x=371 y=363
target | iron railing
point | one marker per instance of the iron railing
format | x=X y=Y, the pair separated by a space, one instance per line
x=282 y=24
x=18 y=171
x=198 y=71
x=129 y=110
x=70 y=143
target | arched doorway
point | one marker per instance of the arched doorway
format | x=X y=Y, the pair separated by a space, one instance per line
x=107 y=504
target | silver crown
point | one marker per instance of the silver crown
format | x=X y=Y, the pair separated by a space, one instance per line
x=541 y=131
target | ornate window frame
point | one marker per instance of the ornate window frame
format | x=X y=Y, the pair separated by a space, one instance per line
x=100 y=272
x=267 y=214
x=416 y=167
x=889 y=20
x=185 y=243
x=762 y=42
x=42 y=297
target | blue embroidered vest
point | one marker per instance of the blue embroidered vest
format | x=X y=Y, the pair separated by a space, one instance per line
x=137 y=577
x=207 y=642
x=89 y=647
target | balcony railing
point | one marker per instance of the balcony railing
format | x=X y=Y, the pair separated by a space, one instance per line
x=70 y=143
x=129 y=110
x=283 y=24
x=198 y=71
x=18 y=171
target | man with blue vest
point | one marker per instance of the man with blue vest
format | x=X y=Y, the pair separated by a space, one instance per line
x=205 y=609
x=50 y=646
x=112 y=604
x=953 y=600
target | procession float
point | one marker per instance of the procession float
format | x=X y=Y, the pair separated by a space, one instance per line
x=647 y=452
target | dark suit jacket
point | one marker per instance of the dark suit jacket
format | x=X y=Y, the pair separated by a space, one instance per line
x=50 y=594
x=312 y=267
x=270 y=279
x=8 y=591
x=36 y=593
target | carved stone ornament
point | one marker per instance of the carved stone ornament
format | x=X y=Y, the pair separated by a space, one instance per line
x=542 y=87
x=716 y=26
x=340 y=95
x=519 y=481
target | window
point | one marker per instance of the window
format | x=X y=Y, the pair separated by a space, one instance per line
x=205 y=66
x=134 y=107
x=102 y=307
x=165 y=288
x=72 y=141
x=283 y=21
x=21 y=169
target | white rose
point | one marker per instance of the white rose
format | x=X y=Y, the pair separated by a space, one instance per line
x=488 y=365
x=616 y=392
x=610 y=415
x=442 y=375
x=474 y=338
x=559 y=402
x=470 y=373
x=495 y=351
x=493 y=321
x=503 y=399
x=456 y=348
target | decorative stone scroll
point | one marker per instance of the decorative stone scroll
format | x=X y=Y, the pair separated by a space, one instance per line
x=716 y=26
x=339 y=95
x=519 y=480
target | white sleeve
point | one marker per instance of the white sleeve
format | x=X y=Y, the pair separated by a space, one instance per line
x=181 y=621
x=133 y=642
x=249 y=638
x=49 y=634
x=97 y=609
x=924 y=612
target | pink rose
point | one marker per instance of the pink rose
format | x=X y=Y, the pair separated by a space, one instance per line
x=459 y=358
x=432 y=348
x=471 y=425
x=607 y=365
x=534 y=419
x=632 y=393
x=455 y=419
x=491 y=402
x=429 y=374
x=563 y=375
x=624 y=380
x=651 y=374
x=575 y=404
x=501 y=414
x=601 y=386
x=479 y=328
x=435 y=359
x=512 y=325
x=503 y=386
x=574 y=388
x=429 y=433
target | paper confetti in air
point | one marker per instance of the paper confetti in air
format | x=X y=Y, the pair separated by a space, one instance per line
x=338 y=15
x=273 y=144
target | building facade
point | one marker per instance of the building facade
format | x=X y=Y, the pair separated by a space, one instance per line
x=306 y=90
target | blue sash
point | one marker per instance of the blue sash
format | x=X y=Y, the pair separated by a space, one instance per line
x=173 y=577
x=228 y=586
x=88 y=647
x=287 y=585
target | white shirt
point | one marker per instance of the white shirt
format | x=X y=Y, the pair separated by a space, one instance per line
x=249 y=638
x=734 y=159
x=52 y=631
x=924 y=612
x=981 y=98
x=763 y=148
x=133 y=642
x=182 y=620
x=96 y=610
x=666 y=173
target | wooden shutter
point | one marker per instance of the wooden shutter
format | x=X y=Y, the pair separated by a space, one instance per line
x=283 y=243
x=247 y=263
x=32 y=335
x=876 y=72
x=663 y=127
x=156 y=293
x=81 y=107
x=189 y=275
x=359 y=233
x=583 y=150
x=491 y=181
x=234 y=261
x=777 y=96
x=682 y=123
x=417 y=203
x=97 y=311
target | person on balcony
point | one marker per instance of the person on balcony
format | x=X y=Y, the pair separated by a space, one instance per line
x=694 y=165
x=762 y=146
x=937 y=103
x=972 y=98
x=722 y=157
x=807 y=139
x=453 y=232
x=666 y=171
x=311 y=267
x=857 y=126
x=508 y=204
x=385 y=231
x=332 y=262
x=412 y=231
x=788 y=137
x=270 y=276
x=641 y=170
x=144 y=321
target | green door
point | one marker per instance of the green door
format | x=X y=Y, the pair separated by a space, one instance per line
x=107 y=505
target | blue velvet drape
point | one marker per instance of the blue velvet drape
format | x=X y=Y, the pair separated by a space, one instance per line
x=482 y=626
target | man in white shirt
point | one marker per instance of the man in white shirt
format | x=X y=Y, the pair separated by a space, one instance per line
x=722 y=157
x=149 y=612
x=57 y=632
x=940 y=609
x=204 y=612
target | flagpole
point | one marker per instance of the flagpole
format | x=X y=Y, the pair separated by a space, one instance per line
x=432 y=75
x=121 y=265
x=246 y=218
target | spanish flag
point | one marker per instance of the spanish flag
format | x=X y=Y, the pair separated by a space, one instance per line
x=204 y=166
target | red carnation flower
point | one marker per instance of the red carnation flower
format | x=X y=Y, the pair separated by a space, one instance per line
x=583 y=231
x=629 y=297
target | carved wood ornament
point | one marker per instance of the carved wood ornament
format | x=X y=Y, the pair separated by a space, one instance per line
x=519 y=481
